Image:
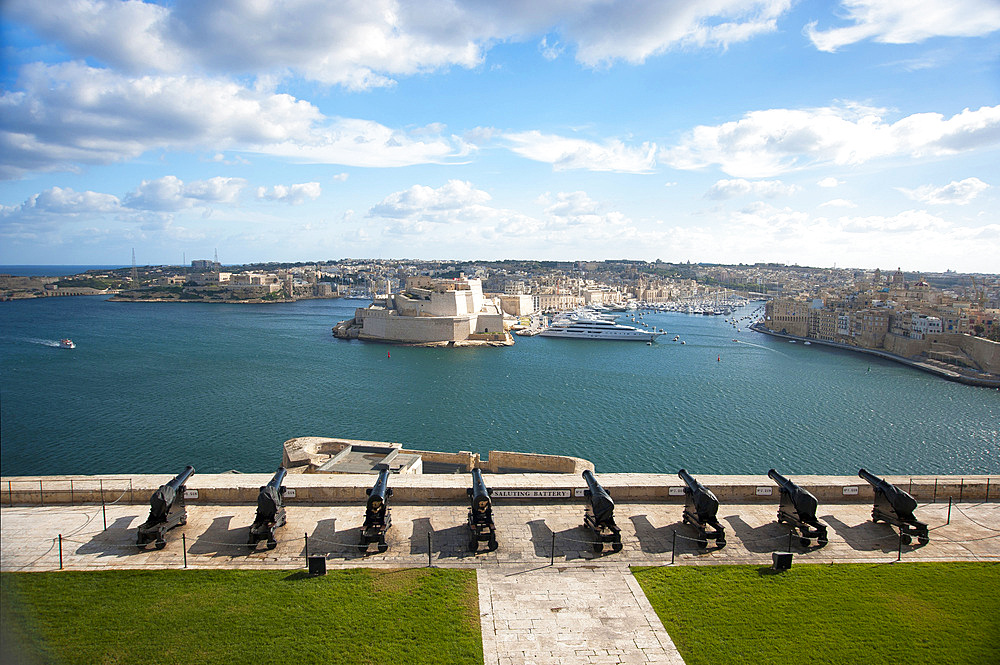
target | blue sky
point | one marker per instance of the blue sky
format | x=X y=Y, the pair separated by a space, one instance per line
x=862 y=133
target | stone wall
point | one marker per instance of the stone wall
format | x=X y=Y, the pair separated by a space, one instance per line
x=230 y=488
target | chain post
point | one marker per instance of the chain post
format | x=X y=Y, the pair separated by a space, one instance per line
x=184 y=547
x=673 y=546
x=60 y=552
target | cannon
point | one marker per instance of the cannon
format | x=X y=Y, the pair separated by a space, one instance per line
x=798 y=508
x=377 y=514
x=166 y=510
x=481 y=525
x=270 y=511
x=700 y=509
x=894 y=506
x=599 y=516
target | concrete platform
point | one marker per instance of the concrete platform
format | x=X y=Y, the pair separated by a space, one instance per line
x=584 y=608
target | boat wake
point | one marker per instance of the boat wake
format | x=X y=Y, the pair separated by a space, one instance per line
x=43 y=342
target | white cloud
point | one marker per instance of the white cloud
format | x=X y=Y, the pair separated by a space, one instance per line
x=70 y=114
x=957 y=192
x=568 y=153
x=421 y=212
x=340 y=177
x=365 y=44
x=838 y=203
x=771 y=142
x=64 y=201
x=727 y=189
x=829 y=181
x=908 y=21
x=169 y=193
x=294 y=194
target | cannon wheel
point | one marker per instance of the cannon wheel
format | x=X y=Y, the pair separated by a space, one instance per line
x=160 y=543
x=821 y=541
x=803 y=541
x=493 y=544
x=923 y=540
x=598 y=547
x=720 y=542
x=617 y=546
x=382 y=547
x=905 y=538
x=474 y=545
x=272 y=543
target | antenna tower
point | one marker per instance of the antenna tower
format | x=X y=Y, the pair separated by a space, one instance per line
x=135 y=272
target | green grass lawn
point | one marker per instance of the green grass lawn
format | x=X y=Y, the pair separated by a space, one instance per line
x=348 y=616
x=846 y=613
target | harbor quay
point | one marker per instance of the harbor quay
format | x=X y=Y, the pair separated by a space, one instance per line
x=545 y=594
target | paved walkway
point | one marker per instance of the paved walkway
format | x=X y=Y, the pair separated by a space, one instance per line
x=586 y=608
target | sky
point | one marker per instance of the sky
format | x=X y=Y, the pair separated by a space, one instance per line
x=860 y=133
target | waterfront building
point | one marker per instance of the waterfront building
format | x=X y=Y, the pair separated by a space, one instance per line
x=430 y=311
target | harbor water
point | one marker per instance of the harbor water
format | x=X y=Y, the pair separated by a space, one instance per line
x=154 y=386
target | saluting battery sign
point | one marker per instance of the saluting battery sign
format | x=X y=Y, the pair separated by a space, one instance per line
x=530 y=494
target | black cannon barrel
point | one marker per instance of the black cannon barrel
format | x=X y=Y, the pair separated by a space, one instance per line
x=600 y=500
x=279 y=476
x=181 y=477
x=901 y=502
x=780 y=479
x=479 y=490
x=689 y=480
x=704 y=501
x=803 y=500
x=381 y=487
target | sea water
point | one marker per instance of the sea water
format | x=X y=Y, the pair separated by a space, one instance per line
x=154 y=386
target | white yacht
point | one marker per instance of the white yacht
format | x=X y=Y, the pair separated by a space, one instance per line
x=595 y=328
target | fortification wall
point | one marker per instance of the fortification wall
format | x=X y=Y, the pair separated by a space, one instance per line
x=235 y=488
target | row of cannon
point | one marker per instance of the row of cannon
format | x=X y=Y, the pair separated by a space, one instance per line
x=797 y=509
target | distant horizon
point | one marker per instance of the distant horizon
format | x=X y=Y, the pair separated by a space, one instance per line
x=118 y=266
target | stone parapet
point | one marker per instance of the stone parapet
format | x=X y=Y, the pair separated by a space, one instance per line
x=239 y=488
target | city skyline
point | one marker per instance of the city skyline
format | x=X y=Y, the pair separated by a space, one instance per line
x=860 y=134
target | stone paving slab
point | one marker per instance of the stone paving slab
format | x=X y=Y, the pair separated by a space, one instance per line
x=216 y=535
x=569 y=614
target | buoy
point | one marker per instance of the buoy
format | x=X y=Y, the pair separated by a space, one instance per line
x=719 y=359
x=388 y=355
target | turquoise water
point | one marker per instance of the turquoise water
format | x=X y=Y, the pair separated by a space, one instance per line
x=151 y=387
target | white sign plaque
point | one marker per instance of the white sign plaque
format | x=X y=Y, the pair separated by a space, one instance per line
x=764 y=491
x=675 y=491
x=530 y=494
x=853 y=489
x=190 y=494
x=289 y=492
x=579 y=491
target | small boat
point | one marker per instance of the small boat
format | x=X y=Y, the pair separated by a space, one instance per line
x=807 y=343
x=66 y=344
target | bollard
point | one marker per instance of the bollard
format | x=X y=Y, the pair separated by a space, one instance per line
x=428 y=549
x=71 y=491
x=987 y=488
x=935 y=490
x=961 y=490
x=949 y=511
x=60 y=551
x=41 y=493
x=307 y=549
x=131 y=495
x=552 y=552
x=184 y=547
x=899 y=553
x=673 y=546
x=10 y=492
x=789 y=541
x=104 y=509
